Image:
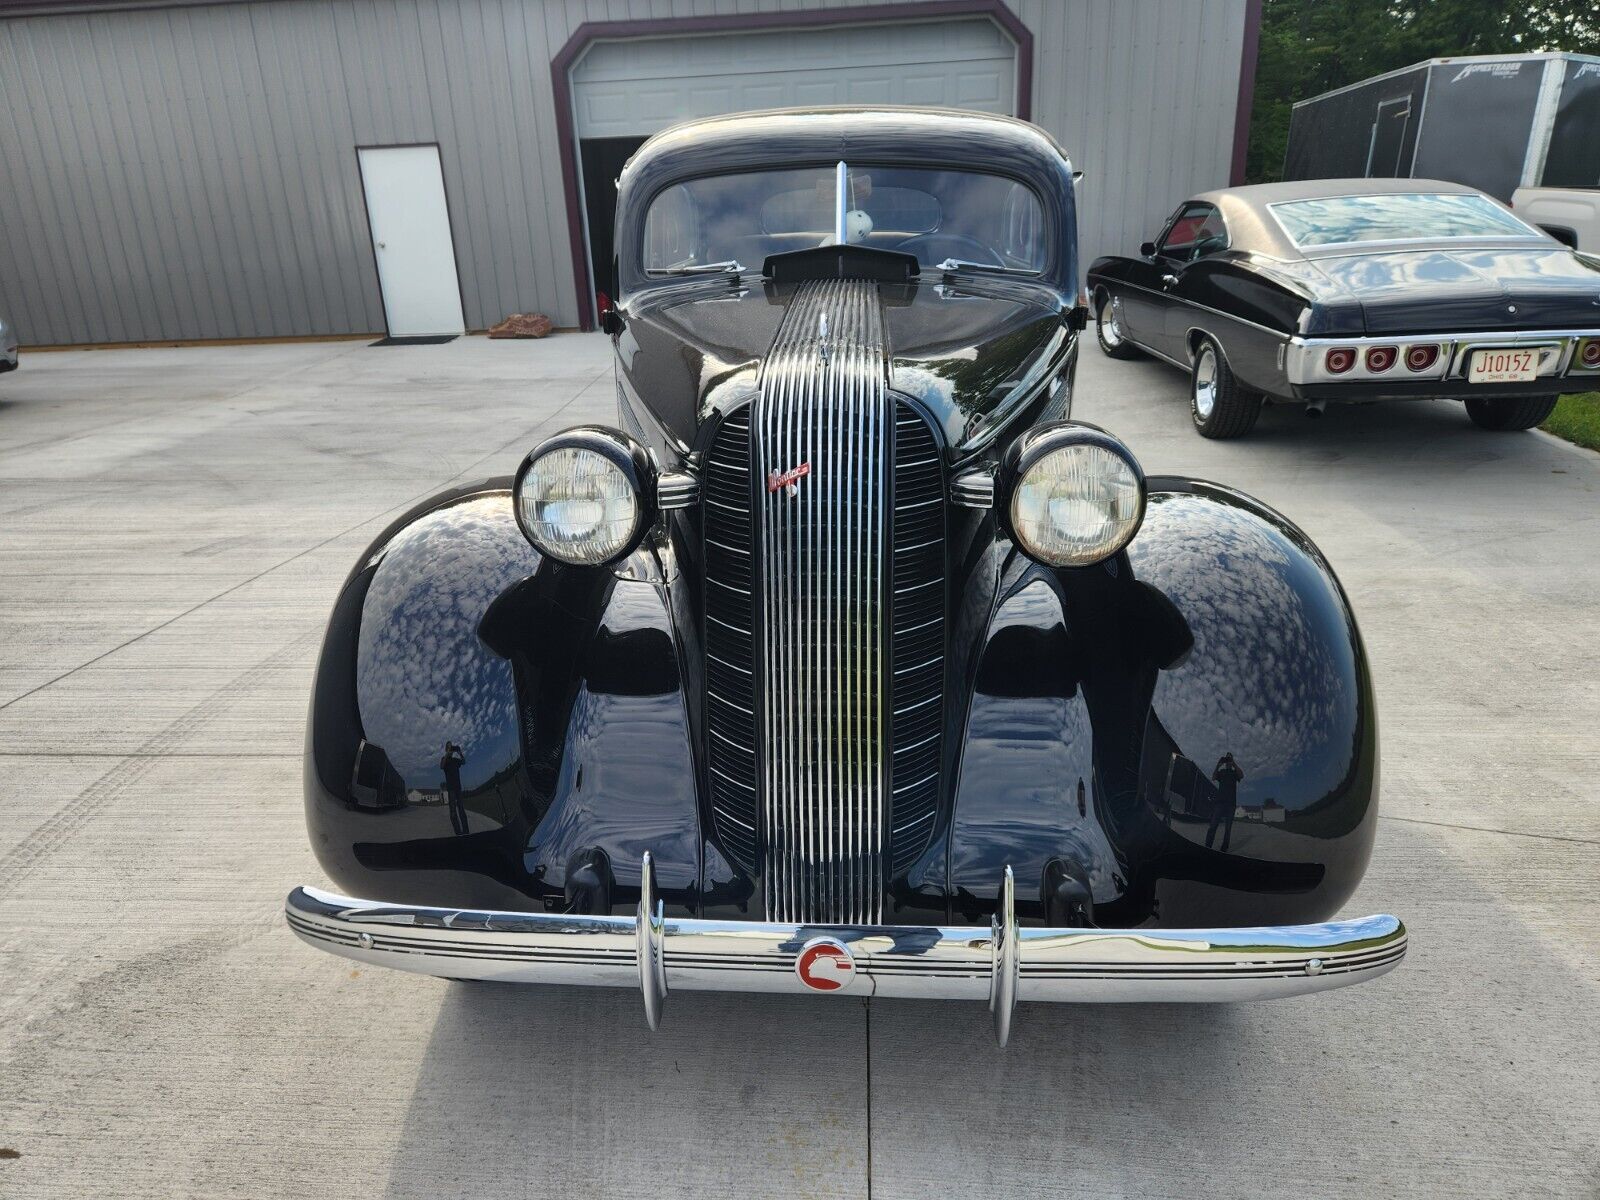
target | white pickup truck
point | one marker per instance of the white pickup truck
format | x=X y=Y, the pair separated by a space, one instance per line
x=1570 y=215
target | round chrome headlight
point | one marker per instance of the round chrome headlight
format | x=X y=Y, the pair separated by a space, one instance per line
x=1072 y=495
x=585 y=497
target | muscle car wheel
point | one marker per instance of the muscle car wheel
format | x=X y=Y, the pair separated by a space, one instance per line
x=1511 y=414
x=1108 y=327
x=1221 y=408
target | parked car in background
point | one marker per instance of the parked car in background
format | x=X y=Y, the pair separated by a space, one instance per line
x=845 y=663
x=8 y=345
x=1570 y=215
x=1338 y=290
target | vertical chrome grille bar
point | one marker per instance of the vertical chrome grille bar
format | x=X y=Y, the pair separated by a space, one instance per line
x=822 y=563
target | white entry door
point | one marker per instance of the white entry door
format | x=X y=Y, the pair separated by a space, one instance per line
x=411 y=238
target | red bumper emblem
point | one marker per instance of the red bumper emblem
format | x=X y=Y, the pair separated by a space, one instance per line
x=825 y=965
x=788 y=479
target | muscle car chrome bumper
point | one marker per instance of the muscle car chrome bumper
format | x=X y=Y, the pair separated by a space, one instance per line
x=1304 y=364
x=1001 y=964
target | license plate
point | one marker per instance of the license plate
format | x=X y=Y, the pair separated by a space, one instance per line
x=1503 y=366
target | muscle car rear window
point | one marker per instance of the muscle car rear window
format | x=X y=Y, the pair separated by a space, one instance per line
x=933 y=214
x=1396 y=217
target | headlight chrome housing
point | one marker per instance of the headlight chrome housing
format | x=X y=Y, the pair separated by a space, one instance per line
x=586 y=497
x=1071 y=495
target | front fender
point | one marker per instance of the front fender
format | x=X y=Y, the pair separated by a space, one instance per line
x=1186 y=733
x=489 y=728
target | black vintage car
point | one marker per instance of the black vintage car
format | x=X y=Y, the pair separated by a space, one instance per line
x=846 y=662
x=1356 y=290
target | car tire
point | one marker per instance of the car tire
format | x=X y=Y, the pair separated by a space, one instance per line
x=1505 y=415
x=1108 y=330
x=1220 y=406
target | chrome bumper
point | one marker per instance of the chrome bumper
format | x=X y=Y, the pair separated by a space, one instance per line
x=1001 y=964
x=1303 y=363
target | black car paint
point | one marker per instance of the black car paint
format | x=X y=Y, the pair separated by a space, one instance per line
x=1250 y=304
x=695 y=351
x=1092 y=706
x=1182 y=735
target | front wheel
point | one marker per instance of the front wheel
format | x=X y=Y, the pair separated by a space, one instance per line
x=1109 y=329
x=1500 y=415
x=1220 y=407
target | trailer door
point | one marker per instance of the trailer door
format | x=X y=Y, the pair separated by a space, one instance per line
x=1389 y=139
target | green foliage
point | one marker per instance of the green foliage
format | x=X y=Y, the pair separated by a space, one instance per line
x=1312 y=46
x=1577 y=418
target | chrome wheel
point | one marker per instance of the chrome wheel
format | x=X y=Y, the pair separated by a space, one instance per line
x=1110 y=324
x=1205 y=383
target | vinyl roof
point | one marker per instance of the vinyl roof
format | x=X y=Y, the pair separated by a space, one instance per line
x=1251 y=227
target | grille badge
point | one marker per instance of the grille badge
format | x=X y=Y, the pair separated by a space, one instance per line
x=825 y=965
x=777 y=480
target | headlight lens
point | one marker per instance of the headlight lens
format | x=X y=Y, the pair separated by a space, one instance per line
x=578 y=498
x=1077 y=499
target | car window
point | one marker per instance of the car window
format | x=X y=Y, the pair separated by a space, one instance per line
x=1198 y=230
x=1399 y=217
x=933 y=214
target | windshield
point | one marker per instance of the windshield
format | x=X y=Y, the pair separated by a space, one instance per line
x=936 y=215
x=1399 y=217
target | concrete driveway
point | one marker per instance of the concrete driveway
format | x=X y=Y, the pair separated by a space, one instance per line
x=173 y=526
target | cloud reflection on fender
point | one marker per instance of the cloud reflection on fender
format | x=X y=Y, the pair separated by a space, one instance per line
x=1271 y=679
x=423 y=676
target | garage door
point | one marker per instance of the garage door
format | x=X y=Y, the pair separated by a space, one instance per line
x=634 y=88
x=624 y=91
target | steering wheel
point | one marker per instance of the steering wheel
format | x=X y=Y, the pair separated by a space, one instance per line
x=934 y=248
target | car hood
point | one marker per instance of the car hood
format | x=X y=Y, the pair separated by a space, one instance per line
x=961 y=349
x=1466 y=290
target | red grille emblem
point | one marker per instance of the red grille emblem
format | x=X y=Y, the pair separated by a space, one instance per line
x=825 y=965
x=788 y=479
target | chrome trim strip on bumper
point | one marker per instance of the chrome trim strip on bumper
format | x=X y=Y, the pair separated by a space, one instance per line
x=1303 y=356
x=1001 y=964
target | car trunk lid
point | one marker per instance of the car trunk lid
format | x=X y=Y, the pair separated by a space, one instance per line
x=1470 y=289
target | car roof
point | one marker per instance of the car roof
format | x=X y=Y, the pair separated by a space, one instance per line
x=784 y=135
x=1251 y=226
x=936 y=138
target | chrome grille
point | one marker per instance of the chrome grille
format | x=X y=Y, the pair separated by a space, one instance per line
x=853 y=637
x=729 y=642
x=822 y=587
x=917 y=622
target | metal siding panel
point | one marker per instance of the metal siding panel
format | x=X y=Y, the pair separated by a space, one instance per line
x=103 y=152
x=56 y=319
x=84 y=194
x=543 y=231
x=477 y=176
x=216 y=173
x=203 y=183
x=309 y=231
x=143 y=159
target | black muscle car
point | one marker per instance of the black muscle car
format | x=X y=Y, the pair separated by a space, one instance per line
x=846 y=662
x=1356 y=290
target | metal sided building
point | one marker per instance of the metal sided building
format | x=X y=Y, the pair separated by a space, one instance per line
x=172 y=170
x=1495 y=123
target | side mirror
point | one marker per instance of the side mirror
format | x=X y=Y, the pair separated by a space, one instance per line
x=1077 y=178
x=1147 y=249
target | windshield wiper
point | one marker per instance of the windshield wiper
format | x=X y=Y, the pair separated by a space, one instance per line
x=951 y=265
x=731 y=267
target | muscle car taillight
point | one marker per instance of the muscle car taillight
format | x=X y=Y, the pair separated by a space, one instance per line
x=1339 y=360
x=1420 y=358
x=1380 y=358
x=1589 y=354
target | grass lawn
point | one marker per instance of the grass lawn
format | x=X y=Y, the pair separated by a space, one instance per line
x=1577 y=418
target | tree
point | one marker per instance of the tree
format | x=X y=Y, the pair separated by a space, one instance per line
x=1313 y=46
